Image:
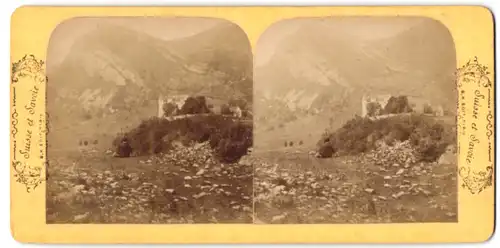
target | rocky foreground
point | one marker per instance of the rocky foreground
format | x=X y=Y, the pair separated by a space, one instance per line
x=186 y=185
x=386 y=185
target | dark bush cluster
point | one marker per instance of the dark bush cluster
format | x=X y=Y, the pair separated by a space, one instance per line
x=230 y=139
x=431 y=140
x=397 y=105
x=195 y=105
x=225 y=110
x=374 y=109
x=170 y=109
x=429 y=136
x=428 y=109
x=232 y=142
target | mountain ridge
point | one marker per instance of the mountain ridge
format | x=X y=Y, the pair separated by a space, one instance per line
x=118 y=69
x=337 y=69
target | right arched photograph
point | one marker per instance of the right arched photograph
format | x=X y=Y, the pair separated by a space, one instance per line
x=355 y=121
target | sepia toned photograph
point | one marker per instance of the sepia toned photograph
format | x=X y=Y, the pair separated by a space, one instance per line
x=149 y=119
x=355 y=121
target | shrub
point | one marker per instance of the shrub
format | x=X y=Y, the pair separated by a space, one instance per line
x=301 y=143
x=428 y=109
x=170 y=109
x=195 y=105
x=290 y=144
x=232 y=142
x=397 y=105
x=431 y=140
x=373 y=109
x=225 y=110
x=325 y=151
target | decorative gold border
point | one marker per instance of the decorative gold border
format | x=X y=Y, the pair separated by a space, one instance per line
x=472 y=31
x=477 y=75
x=32 y=69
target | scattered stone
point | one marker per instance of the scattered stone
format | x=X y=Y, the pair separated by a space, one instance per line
x=81 y=217
x=425 y=192
x=278 y=218
x=398 y=195
x=78 y=188
x=368 y=190
x=450 y=214
x=199 y=195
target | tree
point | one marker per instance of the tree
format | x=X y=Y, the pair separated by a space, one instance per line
x=373 y=109
x=195 y=105
x=170 y=109
x=428 y=109
x=325 y=151
x=225 y=110
x=397 y=105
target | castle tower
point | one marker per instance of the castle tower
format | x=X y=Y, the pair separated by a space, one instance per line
x=364 y=103
x=161 y=112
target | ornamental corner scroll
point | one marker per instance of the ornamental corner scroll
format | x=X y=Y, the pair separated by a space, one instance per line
x=475 y=88
x=29 y=125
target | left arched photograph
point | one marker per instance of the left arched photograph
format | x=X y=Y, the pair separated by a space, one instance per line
x=151 y=118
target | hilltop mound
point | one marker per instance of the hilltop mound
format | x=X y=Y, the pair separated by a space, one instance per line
x=428 y=136
x=229 y=138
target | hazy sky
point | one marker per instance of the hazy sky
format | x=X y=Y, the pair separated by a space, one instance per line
x=69 y=31
x=365 y=28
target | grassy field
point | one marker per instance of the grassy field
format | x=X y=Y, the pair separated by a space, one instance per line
x=298 y=188
x=185 y=185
